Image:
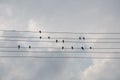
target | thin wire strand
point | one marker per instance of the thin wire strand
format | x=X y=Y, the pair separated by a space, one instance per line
x=55 y=32
x=74 y=48
x=58 y=52
x=56 y=38
x=55 y=41
x=40 y=57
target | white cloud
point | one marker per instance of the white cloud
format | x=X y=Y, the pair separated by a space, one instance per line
x=107 y=70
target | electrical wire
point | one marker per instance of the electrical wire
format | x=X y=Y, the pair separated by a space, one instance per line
x=57 y=38
x=58 y=41
x=41 y=57
x=57 y=51
x=55 y=32
x=74 y=48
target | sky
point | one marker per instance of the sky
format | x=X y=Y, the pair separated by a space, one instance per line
x=59 y=15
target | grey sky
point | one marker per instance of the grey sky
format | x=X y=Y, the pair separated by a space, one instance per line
x=59 y=15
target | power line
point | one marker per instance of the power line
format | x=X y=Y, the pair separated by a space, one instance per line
x=56 y=38
x=40 y=57
x=17 y=37
x=57 y=42
x=75 y=33
x=79 y=48
x=55 y=32
x=57 y=51
x=18 y=31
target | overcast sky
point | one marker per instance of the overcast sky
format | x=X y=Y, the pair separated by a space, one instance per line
x=59 y=15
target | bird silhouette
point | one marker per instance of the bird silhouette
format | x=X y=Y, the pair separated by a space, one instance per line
x=40 y=31
x=18 y=46
x=79 y=38
x=62 y=47
x=82 y=48
x=56 y=41
x=63 y=41
x=40 y=37
x=72 y=47
x=90 y=47
x=83 y=38
x=29 y=47
x=48 y=37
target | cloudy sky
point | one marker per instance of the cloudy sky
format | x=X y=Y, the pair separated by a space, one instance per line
x=59 y=15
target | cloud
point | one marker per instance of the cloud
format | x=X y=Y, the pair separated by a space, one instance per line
x=108 y=70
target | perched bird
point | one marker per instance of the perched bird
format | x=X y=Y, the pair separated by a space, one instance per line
x=48 y=37
x=56 y=41
x=40 y=37
x=18 y=46
x=79 y=38
x=40 y=31
x=63 y=41
x=90 y=47
x=29 y=46
x=62 y=47
x=72 y=47
x=82 y=48
x=83 y=38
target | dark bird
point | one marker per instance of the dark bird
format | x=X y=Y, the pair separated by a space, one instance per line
x=18 y=46
x=90 y=47
x=48 y=37
x=79 y=38
x=63 y=41
x=40 y=37
x=40 y=31
x=83 y=38
x=56 y=41
x=29 y=47
x=62 y=47
x=72 y=47
x=82 y=48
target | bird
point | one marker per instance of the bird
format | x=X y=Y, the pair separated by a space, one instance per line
x=18 y=46
x=40 y=31
x=79 y=38
x=72 y=47
x=83 y=38
x=56 y=41
x=63 y=41
x=90 y=47
x=40 y=37
x=48 y=37
x=82 y=48
x=29 y=47
x=62 y=47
